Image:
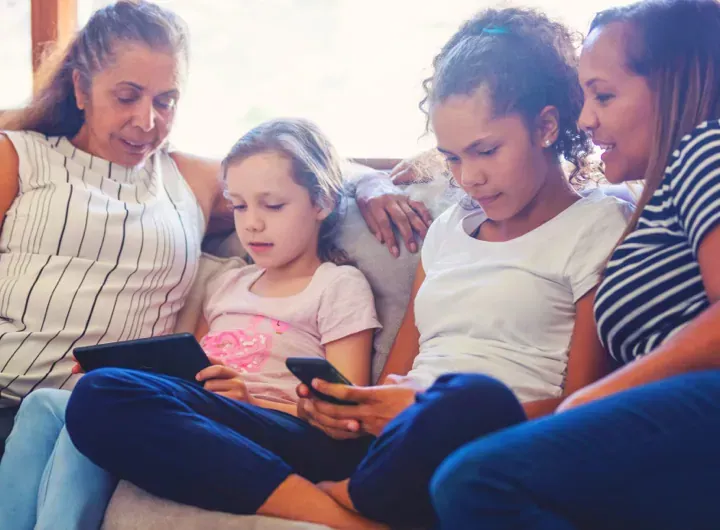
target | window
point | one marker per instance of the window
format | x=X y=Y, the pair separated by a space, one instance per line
x=354 y=67
x=15 y=53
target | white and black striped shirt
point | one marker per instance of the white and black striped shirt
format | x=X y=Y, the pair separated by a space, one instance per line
x=90 y=252
x=652 y=285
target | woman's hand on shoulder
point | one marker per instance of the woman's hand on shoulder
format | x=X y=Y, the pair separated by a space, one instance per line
x=384 y=205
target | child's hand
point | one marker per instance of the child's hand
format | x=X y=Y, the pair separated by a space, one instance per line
x=224 y=381
x=76 y=369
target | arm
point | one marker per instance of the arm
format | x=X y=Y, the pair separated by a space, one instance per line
x=351 y=356
x=9 y=174
x=587 y=359
x=205 y=180
x=407 y=342
x=695 y=347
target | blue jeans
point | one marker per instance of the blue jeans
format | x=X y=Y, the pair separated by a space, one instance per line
x=45 y=483
x=647 y=458
x=176 y=440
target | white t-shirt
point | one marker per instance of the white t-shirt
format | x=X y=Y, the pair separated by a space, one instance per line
x=508 y=309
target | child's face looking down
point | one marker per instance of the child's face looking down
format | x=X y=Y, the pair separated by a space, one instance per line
x=496 y=160
x=275 y=218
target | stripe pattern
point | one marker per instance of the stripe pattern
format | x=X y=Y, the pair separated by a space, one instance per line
x=90 y=252
x=652 y=286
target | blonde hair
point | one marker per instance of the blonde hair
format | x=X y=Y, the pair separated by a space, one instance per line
x=316 y=167
x=675 y=45
x=53 y=110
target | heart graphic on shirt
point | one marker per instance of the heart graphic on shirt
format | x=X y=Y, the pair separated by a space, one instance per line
x=241 y=351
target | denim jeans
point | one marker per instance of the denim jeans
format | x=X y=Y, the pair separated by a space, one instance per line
x=646 y=458
x=45 y=483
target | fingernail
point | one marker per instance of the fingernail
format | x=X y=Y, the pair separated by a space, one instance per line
x=395 y=252
x=413 y=247
x=315 y=383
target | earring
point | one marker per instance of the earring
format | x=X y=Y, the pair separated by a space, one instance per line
x=547 y=143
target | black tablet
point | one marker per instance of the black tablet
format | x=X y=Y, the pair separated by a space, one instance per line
x=177 y=355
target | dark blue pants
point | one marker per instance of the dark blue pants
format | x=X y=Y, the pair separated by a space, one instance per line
x=178 y=441
x=648 y=458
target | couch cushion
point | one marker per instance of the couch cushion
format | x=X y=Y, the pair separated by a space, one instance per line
x=134 y=509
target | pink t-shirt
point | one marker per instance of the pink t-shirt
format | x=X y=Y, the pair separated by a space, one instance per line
x=255 y=334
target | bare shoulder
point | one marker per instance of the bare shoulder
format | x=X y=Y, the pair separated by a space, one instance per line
x=8 y=155
x=9 y=174
x=203 y=176
x=197 y=168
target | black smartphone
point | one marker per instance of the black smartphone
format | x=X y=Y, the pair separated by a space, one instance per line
x=308 y=368
x=177 y=355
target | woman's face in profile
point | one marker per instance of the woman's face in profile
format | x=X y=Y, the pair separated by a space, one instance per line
x=618 y=110
x=130 y=106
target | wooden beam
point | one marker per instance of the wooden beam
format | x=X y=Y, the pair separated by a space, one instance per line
x=52 y=21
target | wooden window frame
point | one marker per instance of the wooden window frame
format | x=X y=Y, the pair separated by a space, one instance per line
x=51 y=22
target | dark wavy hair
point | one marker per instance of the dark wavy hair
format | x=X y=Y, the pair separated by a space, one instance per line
x=53 y=110
x=527 y=62
x=316 y=167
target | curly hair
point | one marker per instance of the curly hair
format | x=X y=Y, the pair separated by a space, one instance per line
x=527 y=62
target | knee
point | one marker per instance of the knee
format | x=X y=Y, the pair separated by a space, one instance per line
x=462 y=481
x=41 y=415
x=95 y=400
x=45 y=404
x=465 y=392
x=449 y=483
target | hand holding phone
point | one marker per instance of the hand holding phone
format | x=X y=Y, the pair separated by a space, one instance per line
x=308 y=368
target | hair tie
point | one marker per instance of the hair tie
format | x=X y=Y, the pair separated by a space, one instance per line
x=495 y=30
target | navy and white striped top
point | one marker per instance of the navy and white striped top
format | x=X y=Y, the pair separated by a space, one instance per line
x=652 y=285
